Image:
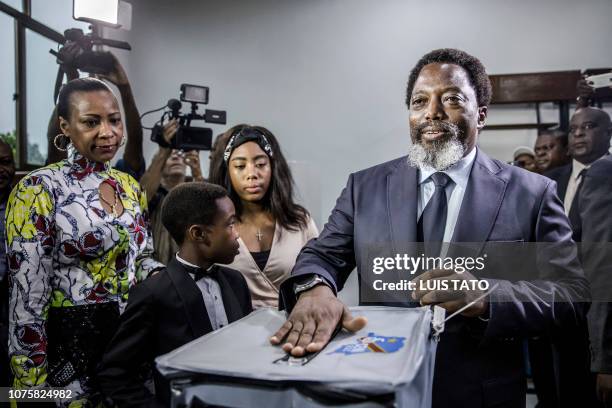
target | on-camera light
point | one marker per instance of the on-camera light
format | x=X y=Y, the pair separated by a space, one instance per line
x=102 y=11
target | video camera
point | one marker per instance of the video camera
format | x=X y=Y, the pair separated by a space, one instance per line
x=77 y=54
x=189 y=137
x=84 y=58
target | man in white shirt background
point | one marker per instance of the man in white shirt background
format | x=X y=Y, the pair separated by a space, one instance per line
x=589 y=140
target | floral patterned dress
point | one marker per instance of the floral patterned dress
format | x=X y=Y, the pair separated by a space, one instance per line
x=71 y=265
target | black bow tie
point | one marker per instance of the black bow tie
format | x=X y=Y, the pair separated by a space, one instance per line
x=199 y=273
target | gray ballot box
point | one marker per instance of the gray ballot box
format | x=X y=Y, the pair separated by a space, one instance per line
x=389 y=363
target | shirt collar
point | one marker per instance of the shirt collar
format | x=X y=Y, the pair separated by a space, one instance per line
x=189 y=264
x=577 y=167
x=458 y=172
x=184 y=262
x=82 y=165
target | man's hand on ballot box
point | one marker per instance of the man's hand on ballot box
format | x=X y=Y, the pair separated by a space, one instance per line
x=450 y=291
x=312 y=321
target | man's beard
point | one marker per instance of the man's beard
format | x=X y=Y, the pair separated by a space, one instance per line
x=439 y=154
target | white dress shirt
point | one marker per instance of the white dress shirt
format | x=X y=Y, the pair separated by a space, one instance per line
x=459 y=173
x=211 y=293
x=573 y=184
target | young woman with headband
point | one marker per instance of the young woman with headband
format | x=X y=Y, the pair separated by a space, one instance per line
x=272 y=227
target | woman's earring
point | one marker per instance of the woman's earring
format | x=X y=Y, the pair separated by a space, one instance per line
x=57 y=145
x=122 y=141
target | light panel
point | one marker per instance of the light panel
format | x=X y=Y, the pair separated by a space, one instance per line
x=104 y=11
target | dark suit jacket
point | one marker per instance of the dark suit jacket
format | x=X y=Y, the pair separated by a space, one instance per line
x=596 y=214
x=163 y=313
x=477 y=364
x=575 y=385
x=561 y=175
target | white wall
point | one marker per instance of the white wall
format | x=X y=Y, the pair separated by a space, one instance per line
x=328 y=76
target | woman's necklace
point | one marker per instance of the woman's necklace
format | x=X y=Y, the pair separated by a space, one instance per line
x=259 y=235
x=113 y=205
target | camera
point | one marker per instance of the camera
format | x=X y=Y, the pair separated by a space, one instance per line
x=77 y=52
x=189 y=137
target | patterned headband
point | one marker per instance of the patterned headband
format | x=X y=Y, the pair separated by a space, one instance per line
x=247 y=134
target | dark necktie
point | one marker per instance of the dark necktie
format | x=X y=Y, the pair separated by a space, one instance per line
x=574 y=213
x=431 y=225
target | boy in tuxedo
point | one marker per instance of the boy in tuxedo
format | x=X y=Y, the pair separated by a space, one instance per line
x=190 y=298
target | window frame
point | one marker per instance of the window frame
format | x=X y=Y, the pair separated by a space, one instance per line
x=23 y=21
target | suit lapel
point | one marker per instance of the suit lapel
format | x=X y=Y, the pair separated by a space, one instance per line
x=230 y=302
x=402 y=196
x=481 y=203
x=191 y=296
x=564 y=181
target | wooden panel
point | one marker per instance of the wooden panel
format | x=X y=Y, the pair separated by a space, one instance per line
x=515 y=126
x=535 y=87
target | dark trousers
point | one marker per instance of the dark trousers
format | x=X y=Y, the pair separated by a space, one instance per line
x=561 y=371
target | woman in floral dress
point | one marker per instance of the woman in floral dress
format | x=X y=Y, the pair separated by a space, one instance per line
x=77 y=240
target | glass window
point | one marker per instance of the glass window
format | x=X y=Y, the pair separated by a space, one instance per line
x=56 y=14
x=16 y=4
x=7 y=78
x=41 y=71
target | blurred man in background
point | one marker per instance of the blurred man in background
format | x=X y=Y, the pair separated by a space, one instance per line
x=524 y=158
x=551 y=150
x=589 y=140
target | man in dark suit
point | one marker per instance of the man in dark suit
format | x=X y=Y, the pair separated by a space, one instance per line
x=192 y=297
x=551 y=150
x=589 y=140
x=446 y=190
x=596 y=215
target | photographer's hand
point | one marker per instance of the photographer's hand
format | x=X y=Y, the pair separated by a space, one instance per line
x=192 y=159
x=117 y=75
x=170 y=129
x=585 y=93
x=68 y=54
x=450 y=299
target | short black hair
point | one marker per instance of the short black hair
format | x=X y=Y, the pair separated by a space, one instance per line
x=476 y=72
x=557 y=133
x=74 y=86
x=188 y=204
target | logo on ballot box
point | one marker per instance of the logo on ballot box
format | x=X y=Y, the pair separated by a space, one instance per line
x=372 y=343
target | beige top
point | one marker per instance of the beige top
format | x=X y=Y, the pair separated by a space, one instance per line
x=286 y=245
